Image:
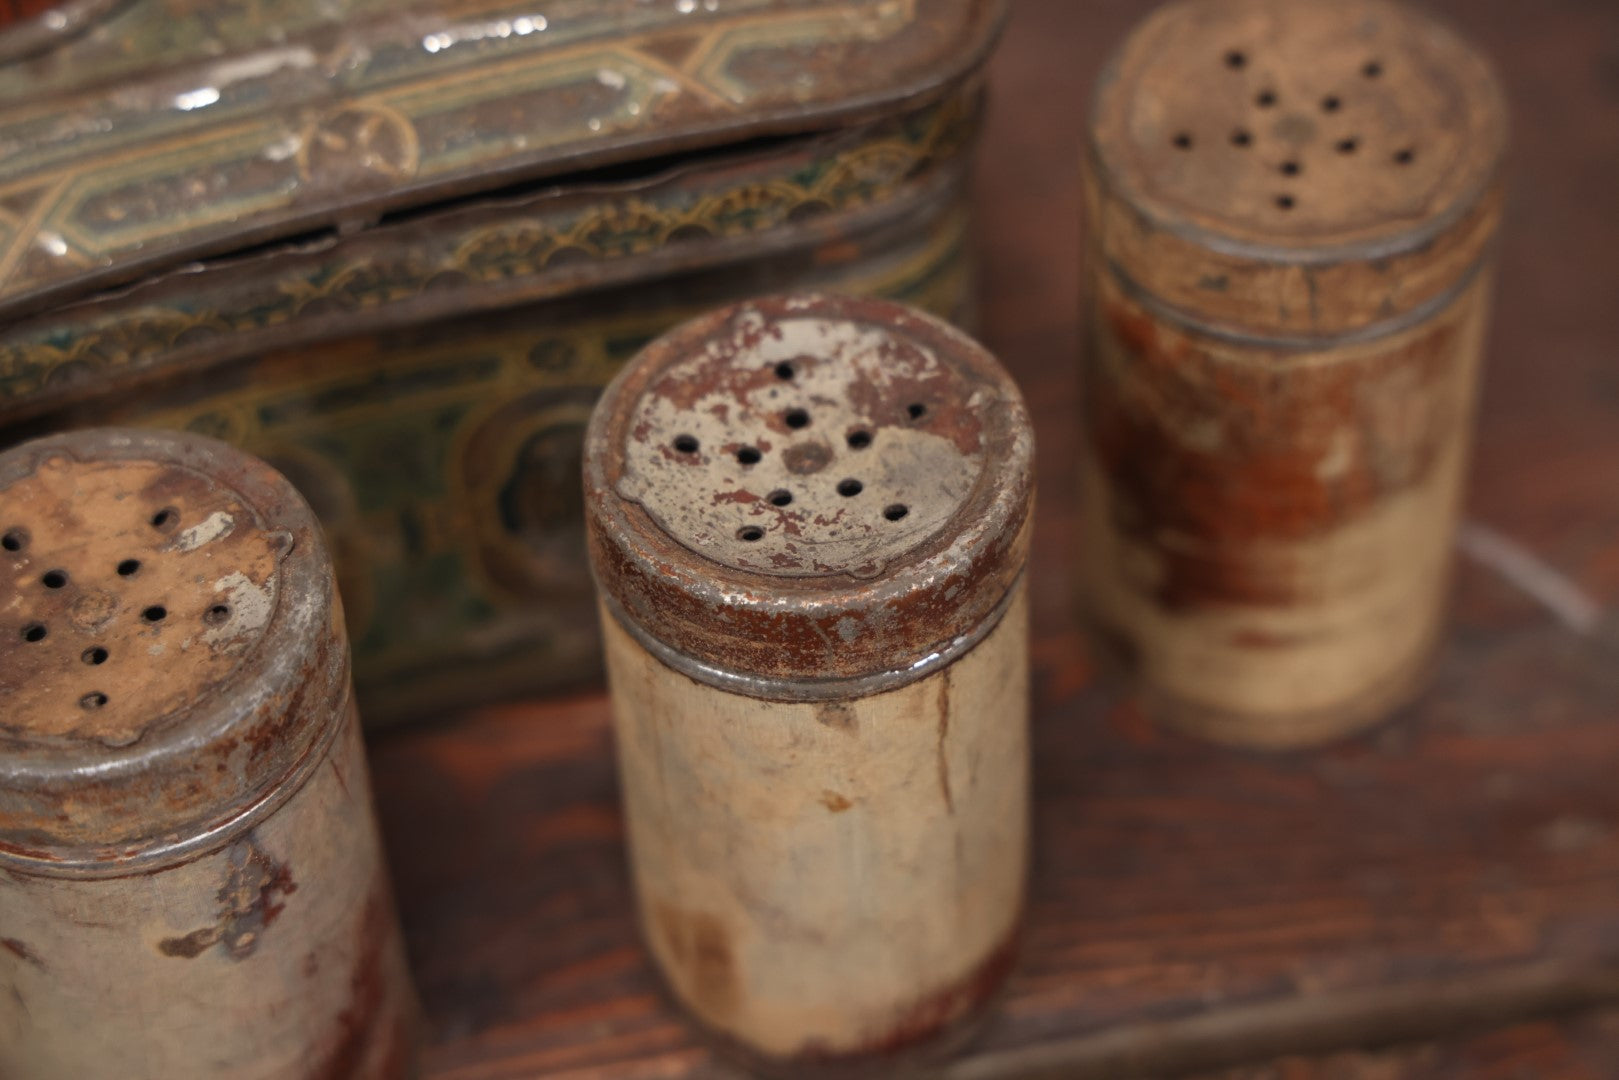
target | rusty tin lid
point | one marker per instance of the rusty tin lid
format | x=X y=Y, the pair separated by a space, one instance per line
x=170 y=650
x=809 y=490
x=1296 y=167
x=168 y=132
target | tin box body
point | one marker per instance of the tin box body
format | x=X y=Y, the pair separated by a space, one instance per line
x=397 y=252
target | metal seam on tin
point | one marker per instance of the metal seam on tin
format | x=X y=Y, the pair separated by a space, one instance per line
x=1391 y=247
x=104 y=864
x=812 y=690
x=1423 y=312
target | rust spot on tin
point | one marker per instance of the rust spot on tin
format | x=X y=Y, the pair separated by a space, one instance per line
x=739 y=497
x=835 y=802
x=1209 y=456
x=359 y=1025
x=837 y=715
x=699 y=948
x=924 y=1019
x=252 y=897
x=338 y=775
x=22 y=951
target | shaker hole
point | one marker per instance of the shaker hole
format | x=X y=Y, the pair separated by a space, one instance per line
x=784 y=370
x=1182 y=141
x=896 y=511
x=686 y=444
x=1405 y=156
x=1348 y=146
x=797 y=418
x=34 y=633
x=1284 y=202
x=1372 y=69
x=1331 y=103
x=1265 y=99
x=1236 y=60
x=217 y=615
x=1241 y=138
x=54 y=579
x=916 y=410
x=14 y=539
x=165 y=518
x=155 y=614
x=850 y=488
x=780 y=498
x=129 y=567
x=95 y=699
x=859 y=440
x=94 y=656
x=750 y=533
x=748 y=455
x=1291 y=168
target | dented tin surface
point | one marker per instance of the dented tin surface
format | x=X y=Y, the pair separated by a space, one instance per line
x=810 y=489
x=1292 y=211
x=808 y=521
x=298 y=263
x=185 y=801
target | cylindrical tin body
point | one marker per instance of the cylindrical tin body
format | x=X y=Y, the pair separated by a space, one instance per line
x=191 y=879
x=809 y=521
x=1292 y=204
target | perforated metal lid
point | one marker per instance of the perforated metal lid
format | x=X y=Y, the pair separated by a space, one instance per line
x=809 y=487
x=168 y=643
x=1304 y=132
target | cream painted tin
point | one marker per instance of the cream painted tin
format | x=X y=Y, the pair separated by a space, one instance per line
x=809 y=523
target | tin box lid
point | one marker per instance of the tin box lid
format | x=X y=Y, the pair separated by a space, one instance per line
x=171 y=651
x=812 y=489
x=160 y=133
x=1305 y=167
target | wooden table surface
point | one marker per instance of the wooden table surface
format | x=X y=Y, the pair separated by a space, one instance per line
x=1442 y=884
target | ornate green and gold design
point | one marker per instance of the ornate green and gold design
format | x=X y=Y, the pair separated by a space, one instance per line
x=518 y=250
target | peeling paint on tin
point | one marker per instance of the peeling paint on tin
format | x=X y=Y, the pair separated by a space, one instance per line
x=217 y=526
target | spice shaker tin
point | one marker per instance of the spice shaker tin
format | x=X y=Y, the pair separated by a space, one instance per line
x=1292 y=209
x=191 y=879
x=808 y=520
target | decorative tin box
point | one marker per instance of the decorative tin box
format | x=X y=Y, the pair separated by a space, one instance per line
x=397 y=250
